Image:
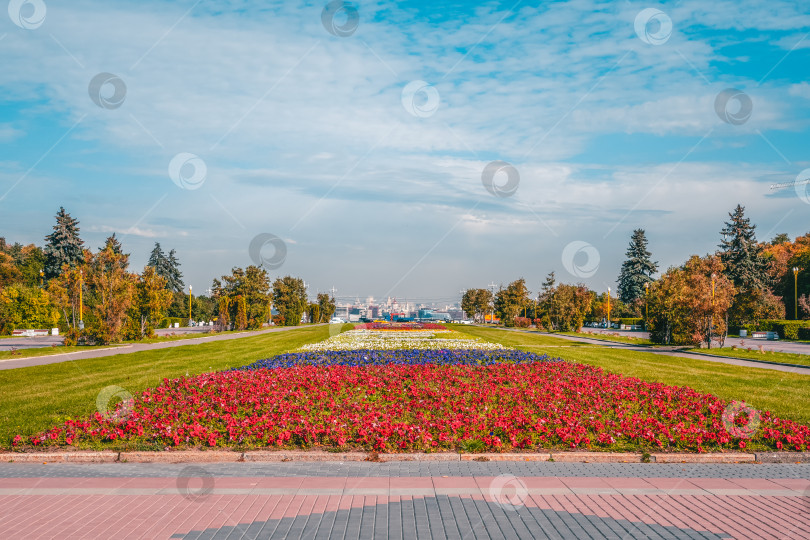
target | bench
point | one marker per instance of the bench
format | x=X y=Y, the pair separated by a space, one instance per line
x=29 y=332
x=770 y=336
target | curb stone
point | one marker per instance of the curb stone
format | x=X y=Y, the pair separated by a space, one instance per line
x=225 y=456
x=704 y=458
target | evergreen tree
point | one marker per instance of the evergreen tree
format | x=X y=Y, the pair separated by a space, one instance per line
x=158 y=261
x=113 y=243
x=175 y=279
x=741 y=254
x=637 y=269
x=63 y=245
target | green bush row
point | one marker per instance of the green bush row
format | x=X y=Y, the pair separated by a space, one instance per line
x=785 y=329
x=631 y=320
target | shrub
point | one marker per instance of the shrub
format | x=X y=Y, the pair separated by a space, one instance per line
x=522 y=322
x=630 y=320
x=804 y=333
x=785 y=329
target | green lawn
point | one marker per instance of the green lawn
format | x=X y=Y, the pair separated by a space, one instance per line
x=60 y=349
x=36 y=398
x=783 y=393
x=766 y=356
x=529 y=341
x=619 y=339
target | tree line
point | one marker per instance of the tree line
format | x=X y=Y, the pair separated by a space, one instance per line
x=743 y=282
x=94 y=297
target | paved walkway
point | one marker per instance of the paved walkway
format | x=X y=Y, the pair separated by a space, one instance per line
x=405 y=500
x=671 y=352
x=135 y=347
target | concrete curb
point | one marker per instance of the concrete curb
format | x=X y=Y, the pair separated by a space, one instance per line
x=261 y=456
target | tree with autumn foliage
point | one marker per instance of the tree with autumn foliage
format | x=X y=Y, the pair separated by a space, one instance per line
x=253 y=284
x=113 y=288
x=689 y=304
x=151 y=301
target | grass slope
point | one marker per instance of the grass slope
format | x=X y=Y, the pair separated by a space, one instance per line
x=36 y=398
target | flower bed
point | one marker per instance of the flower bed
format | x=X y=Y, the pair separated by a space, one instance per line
x=400 y=326
x=425 y=401
x=391 y=339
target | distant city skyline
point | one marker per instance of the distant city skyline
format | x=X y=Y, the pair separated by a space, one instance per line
x=409 y=149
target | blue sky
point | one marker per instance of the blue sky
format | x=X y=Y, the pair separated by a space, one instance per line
x=375 y=190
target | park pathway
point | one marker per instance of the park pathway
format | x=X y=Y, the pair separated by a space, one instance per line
x=405 y=500
x=672 y=351
x=135 y=347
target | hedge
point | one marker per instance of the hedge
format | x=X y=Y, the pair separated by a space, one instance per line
x=785 y=329
x=631 y=320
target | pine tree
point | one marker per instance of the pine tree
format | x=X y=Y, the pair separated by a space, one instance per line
x=63 y=245
x=637 y=269
x=741 y=254
x=157 y=260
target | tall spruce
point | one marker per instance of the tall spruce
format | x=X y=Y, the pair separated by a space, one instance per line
x=167 y=267
x=175 y=280
x=741 y=254
x=637 y=269
x=63 y=245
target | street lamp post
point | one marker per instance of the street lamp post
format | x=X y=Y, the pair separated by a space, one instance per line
x=796 y=293
x=608 y=308
x=189 y=305
x=81 y=300
x=711 y=321
x=646 y=304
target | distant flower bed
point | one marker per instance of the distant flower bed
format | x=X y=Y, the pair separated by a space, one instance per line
x=400 y=326
x=392 y=339
x=410 y=357
x=406 y=401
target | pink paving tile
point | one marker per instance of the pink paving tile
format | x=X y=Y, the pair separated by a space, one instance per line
x=323 y=483
x=671 y=483
x=413 y=482
x=732 y=518
x=755 y=483
x=279 y=482
x=541 y=482
x=374 y=482
x=454 y=482
x=713 y=483
x=793 y=483
x=148 y=482
x=582 y=482
x=628 y=483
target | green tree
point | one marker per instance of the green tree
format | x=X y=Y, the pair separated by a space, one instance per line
x=476 y=303
x=151 y=301
x=26 y=307
x=290 y=299
x=241 y=320
x=511 y=300
x=546 y=304
x=314 y=313
x=326 y=307
x=253 y=284
x=741 y=255
x=572 y=304
x=63 y=246
x=637 y=269
x=168 y=267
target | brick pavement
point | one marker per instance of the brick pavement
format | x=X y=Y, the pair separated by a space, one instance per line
x=405 y=500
